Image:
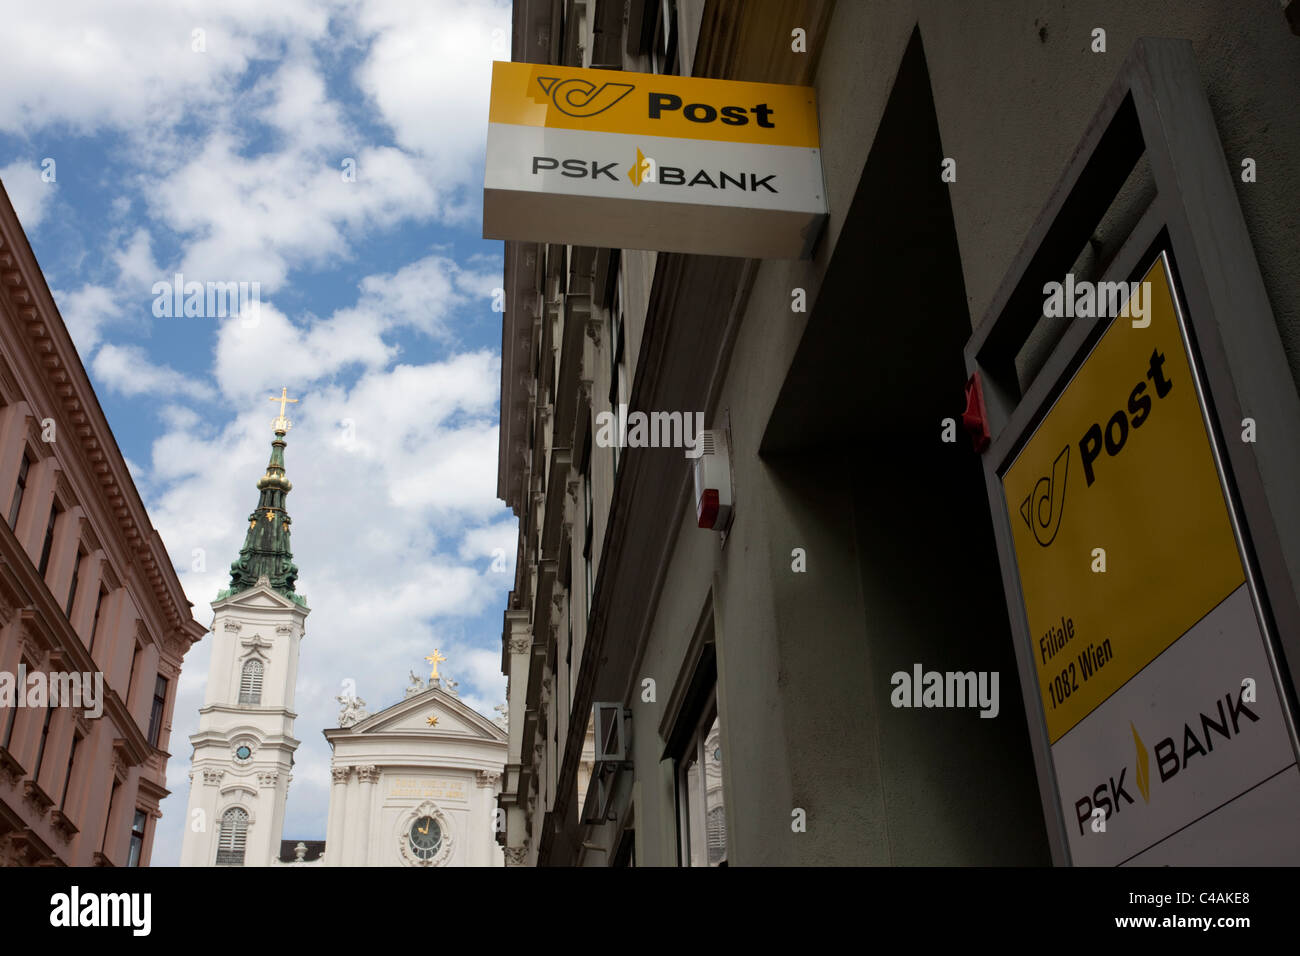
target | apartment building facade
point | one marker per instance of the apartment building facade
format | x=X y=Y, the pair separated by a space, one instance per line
x=87 y=594
x=752 y=670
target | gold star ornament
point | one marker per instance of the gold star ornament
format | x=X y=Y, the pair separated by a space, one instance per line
x=431 y=721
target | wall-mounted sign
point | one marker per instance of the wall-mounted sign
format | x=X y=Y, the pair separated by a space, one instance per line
x=645 y=161
x=1161 y=706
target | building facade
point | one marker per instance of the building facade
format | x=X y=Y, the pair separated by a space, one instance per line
x=416 y=784
x=89 y=602
x=745 y=677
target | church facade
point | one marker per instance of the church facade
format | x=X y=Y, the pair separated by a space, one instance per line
x=413 y=785
x=243 y=749
x=416 y=784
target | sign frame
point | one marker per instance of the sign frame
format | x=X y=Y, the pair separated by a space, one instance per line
x=1156 y=110
x=611 y=158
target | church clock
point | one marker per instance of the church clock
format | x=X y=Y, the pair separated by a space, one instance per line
x=425 y=838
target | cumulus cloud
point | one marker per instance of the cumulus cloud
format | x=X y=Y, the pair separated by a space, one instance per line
x=129 y=370
x=28 y=192
x=85 y=312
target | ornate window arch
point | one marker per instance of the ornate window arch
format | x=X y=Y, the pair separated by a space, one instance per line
x=233 y=837
x=250 y=681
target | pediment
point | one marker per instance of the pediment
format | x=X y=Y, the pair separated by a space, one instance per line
x=260 y=596
x=455 y=718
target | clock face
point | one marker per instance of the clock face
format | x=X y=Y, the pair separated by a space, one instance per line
x=243 y=753
x=425 y=837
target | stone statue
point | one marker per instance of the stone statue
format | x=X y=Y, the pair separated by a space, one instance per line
x=502 y=719
x=415 y=686
x=353 y=709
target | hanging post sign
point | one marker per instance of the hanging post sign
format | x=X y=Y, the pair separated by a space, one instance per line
x=647 y=161
x=1169 y=737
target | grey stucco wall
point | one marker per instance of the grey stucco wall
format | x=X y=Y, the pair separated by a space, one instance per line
x=1015 y=85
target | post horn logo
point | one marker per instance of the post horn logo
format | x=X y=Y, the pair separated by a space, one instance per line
x=1143 y=766
x=582 y=98
x=642 y=170
x=1043 y=507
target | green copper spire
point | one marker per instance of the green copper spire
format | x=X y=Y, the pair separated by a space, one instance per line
x=266 y=545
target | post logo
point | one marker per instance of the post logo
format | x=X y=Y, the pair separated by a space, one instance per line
x=642 y=170
x=1043 y=507
x=1143 y=766
x=582 y=98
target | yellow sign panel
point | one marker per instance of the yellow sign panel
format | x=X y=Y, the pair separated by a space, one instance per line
x=647 y=104
x=1122 y=534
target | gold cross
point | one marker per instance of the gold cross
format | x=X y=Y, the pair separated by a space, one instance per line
x=432 y=722
x=284 y=399
x=435 y=658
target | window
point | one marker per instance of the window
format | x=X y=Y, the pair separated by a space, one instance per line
x=137 y=837
x=72 y=591
x=159 y=708
x=45 y=736
x=49 y=540
x=94 y=627
x=11 y=713
x=233 y=836
x=250 y=682
x=19 y=490
x=664 y=57
x=67 y=777
x=568 y=645
x=702 y=816
x=112 y=798
x=130 y=677
x=625 y=854
x=588 y=520
x=617 y=369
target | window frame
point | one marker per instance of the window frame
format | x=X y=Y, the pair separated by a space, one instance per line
x=589 y=524
x=251 y=687
x=238 y=838
x=694 y=754
x=158 y=709
x=45 y=739
x=47 y=547
x=20 y=490
x=136 y=851
x=617 y=366
x=94 y=624
x=71 y=604
x=72 y=763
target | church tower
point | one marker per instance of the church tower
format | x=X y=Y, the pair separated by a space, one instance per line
x=243 y=750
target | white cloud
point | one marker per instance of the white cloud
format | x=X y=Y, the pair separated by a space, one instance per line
x=85 y=312
x=135 y=262
x=429 y=71
x=29 y=194
x=479 y=544
x=129 y=370
x=131 y=66
x=253 y=357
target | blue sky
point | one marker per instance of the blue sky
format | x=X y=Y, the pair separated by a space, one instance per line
x=220 y=155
